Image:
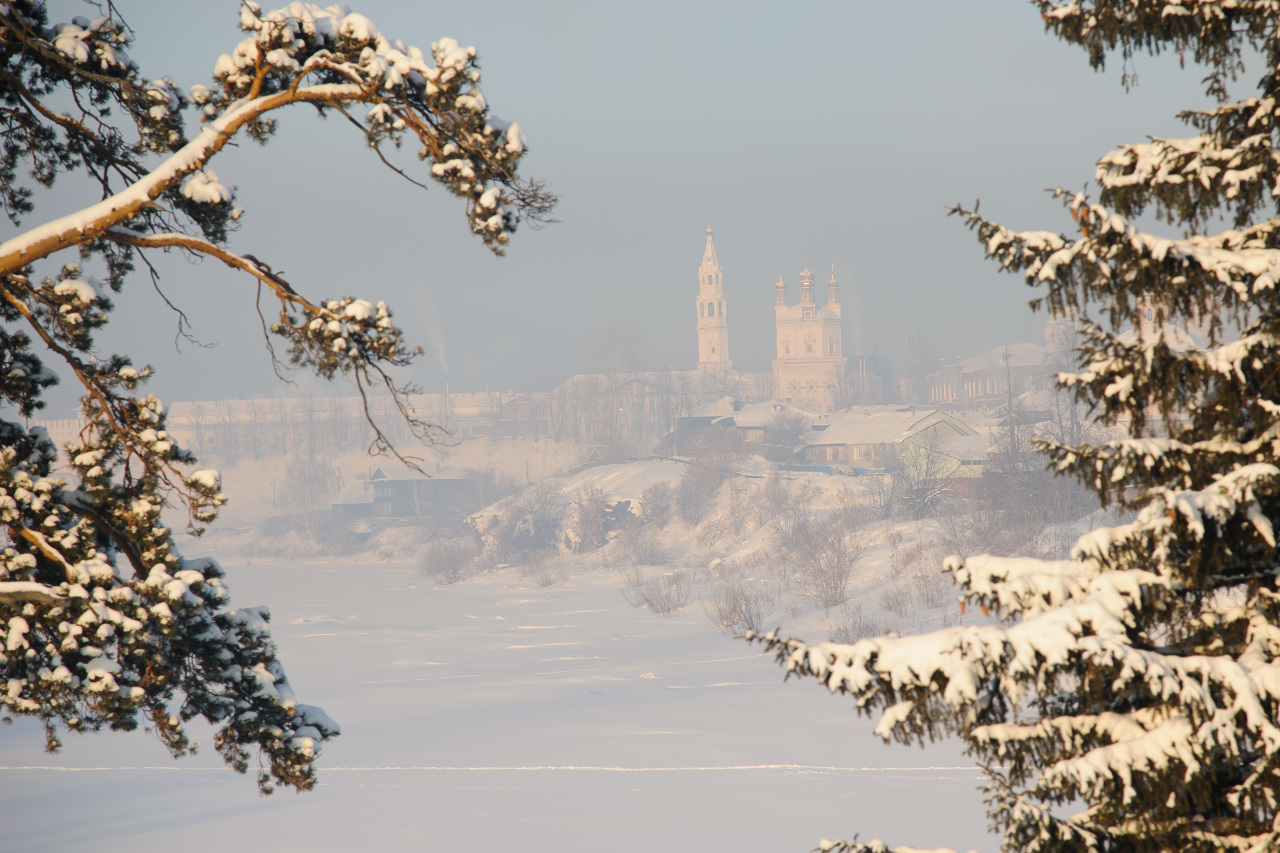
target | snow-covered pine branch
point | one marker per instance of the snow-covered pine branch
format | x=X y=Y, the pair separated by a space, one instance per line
x=102 y=622
x=1138 y=682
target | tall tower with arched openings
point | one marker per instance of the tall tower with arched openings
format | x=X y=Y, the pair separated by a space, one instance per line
x=713 y=317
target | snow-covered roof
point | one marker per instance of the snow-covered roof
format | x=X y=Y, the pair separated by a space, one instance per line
x=872 y=425
x=757 y=415
x=966 y=447
x=1020 y=355
x=719 y=408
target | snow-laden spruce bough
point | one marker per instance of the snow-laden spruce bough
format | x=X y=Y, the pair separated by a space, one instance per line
x=1127 y=698
x=101 y=620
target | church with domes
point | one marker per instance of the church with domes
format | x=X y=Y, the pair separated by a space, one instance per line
x=809 y=366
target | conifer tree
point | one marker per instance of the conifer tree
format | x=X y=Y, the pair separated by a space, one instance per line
x=102 y=622
x=1126 y=698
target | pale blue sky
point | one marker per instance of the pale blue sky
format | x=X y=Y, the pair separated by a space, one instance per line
x=800 y=129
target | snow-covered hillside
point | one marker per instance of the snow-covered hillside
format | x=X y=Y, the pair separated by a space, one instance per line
x=560 y=693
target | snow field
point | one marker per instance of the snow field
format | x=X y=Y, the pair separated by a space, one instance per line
x=499 y=713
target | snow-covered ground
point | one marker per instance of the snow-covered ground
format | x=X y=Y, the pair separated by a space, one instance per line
x=494 y=714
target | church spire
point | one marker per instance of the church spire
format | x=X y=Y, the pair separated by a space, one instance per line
x=713 y=316
x=710 y=272
x=833 y=286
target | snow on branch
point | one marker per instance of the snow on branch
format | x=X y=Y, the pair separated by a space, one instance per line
x=103 y=624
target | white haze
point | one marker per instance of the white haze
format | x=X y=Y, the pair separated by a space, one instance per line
x=837 y=131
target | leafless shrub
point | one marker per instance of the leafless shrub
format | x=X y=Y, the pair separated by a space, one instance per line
x=1006 y=529
x=853 y=626
x=852 y=510
x=586 y=528
x=663 y=593
x=879 y=491
x=933 y=589
x=543 y=572
x=908 y=555
x=772 y=498
x=643 y=548
x=633 y=581
x=741 y=505
x=666 y=593
x=529 y=529
x=820 y=557
x=655 y=504
x=717 y=528
x=449 y=560
x=792 y=531
x=696 y=490
x=896 y=599
x=736 y=604
x=1058 y=543
x=717 y=449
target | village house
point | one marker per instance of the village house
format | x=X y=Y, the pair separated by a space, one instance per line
x=860 y=437
x=983 y=381
x=409 y=494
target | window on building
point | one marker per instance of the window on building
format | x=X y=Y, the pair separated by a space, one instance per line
x=702 y=311
x=713 y=350
x=808 y=348
x=1150 y=315
x=711 y=309
x=786 y=349
x=721 y=309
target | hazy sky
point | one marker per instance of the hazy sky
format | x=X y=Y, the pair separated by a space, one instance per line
x=818 y=130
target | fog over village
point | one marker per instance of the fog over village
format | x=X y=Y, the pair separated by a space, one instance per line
x=631 y=431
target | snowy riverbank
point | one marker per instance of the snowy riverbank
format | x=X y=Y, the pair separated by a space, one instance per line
x=501 y=714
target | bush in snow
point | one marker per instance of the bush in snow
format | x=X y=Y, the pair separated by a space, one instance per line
x=527 y=530
x=585 y=530
x=823 y=563
x=696 y=491
x=1126 y=698
x=545 y=572
x=102 y=622
x=771 y=499
x=852 y=626
x=655 y=504
x=735 y=603
x=450 y=560
x=663 y=593
x=643 y=548
x=819 y=554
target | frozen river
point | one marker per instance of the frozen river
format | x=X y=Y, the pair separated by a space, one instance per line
x=494 y=714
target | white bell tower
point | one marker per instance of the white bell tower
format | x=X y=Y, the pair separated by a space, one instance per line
x=713 y=318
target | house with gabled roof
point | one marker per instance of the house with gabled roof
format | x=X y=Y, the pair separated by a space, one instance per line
x=861 y=435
